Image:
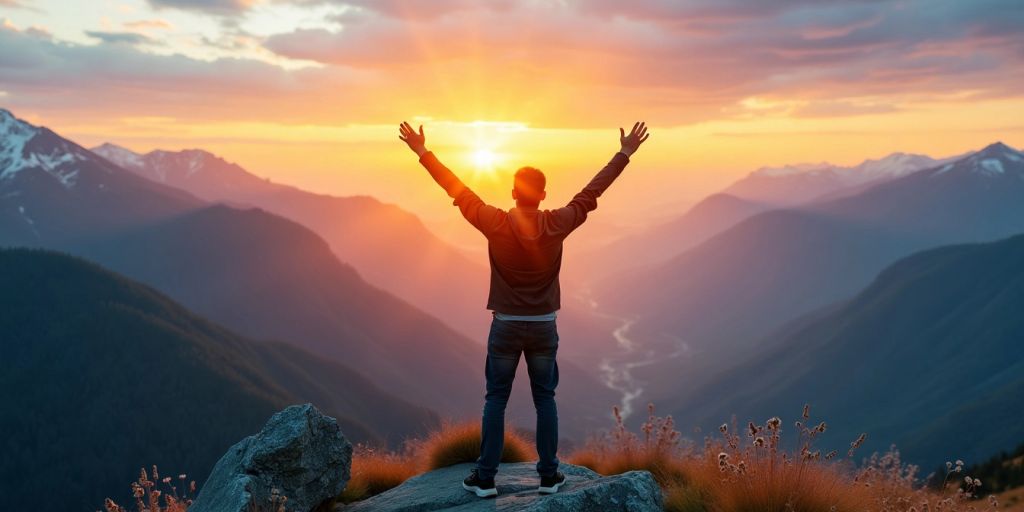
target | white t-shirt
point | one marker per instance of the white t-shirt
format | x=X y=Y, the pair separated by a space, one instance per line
x=547 y=317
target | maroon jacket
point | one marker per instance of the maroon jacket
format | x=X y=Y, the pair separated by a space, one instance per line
x=524 y=244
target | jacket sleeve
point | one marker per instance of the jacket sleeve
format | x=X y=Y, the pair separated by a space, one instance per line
x=575 y=213
x=482 y=216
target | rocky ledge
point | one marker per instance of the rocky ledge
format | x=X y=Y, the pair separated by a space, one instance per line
x=635 y=491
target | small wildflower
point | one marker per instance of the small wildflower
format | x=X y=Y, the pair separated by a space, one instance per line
x=724 y=428
x=856 y=444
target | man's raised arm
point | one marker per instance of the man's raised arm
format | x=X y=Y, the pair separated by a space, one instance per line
x=482 y=216
x=575 y=213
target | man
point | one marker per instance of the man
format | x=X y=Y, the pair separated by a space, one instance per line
x=525 y=250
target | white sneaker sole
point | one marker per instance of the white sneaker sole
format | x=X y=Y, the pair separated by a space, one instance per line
x=551 y=490
x=483 y=493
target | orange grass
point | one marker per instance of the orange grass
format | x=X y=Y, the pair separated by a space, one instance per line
x=376 y=471
x=148 y=497
x=456 y=443
x=740 y=470
x=750 y=471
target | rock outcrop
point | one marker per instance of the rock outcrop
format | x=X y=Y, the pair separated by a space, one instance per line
x=300 y=452
x=635 y=491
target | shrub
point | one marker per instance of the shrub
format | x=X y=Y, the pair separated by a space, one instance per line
x=456 y=443
x=147 y=495
x=750 y=471
x=658 y=451
x=374 y=472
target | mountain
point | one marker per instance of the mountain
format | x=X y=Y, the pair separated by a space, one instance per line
x=976 y=198
x=792 y=185
x=265 y=276
x=389 y=246
x=663 y=241
x=251 y=271
x=39 y=174
x=719 y=298
x=102 y=375
x=928 y=357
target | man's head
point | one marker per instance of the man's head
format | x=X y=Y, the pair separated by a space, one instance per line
x=528 y=187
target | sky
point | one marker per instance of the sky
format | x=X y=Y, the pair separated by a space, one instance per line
x=311 y=92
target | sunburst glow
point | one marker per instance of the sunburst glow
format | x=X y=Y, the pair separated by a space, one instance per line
x=484 y=159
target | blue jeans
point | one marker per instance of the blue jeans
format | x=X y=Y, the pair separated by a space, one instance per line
x=538 y=341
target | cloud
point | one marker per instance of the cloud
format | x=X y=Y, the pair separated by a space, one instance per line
x=129 y=38
x=118 y=79
x=686 y=60
x=413 y=9
x=19 y=4
x=556 y=62
x=219 y=7
x=149 y=24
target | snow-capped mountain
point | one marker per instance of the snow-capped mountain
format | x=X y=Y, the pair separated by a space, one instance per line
x=195 y=170
x=27 y=149
x=893 y=166
x=800 y=183
x=791 y=169
x=995 y=161
x=52 y=189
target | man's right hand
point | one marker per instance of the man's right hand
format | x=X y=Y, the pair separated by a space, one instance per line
x=416 y=141
x=637 y=136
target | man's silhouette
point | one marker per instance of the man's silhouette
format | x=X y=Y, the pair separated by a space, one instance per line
x=525 y=249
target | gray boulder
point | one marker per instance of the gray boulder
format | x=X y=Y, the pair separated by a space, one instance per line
x=635 y=491
x=300 y=452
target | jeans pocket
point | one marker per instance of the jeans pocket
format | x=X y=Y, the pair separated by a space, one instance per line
x=501 y=341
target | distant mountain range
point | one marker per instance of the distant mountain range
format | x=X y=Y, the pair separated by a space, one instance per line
x=389 y=246
x=929 y=357
x=661 y=242
x=721 y=296
x=54 y=190
x=792 y=185
x=254 y=272
x=102 y=375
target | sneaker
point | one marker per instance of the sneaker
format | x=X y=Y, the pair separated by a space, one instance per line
x=550 y=484
x=482 y=488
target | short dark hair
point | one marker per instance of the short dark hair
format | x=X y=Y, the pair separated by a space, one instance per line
x=529 y=185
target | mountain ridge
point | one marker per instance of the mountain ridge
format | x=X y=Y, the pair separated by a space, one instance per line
x=892 y=361
x=107 y=375
x=391 y=247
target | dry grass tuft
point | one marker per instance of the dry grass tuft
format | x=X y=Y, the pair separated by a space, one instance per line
x=456 y=443
x=750 y=471
x=739 y=470
x=659 y=450
x=374 y=472
x=148 y=496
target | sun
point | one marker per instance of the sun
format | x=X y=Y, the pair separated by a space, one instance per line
x=484 y=159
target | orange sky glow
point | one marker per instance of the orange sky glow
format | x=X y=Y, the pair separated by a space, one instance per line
x=311 y=93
